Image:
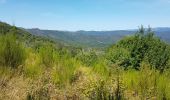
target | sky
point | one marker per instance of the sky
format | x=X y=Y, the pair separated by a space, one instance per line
x=73 y=15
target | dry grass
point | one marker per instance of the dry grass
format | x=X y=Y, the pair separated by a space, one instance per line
x=85 y=85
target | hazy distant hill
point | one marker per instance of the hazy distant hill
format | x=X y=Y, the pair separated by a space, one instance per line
x=81 y=38
x=163 y=33
x=94 y=38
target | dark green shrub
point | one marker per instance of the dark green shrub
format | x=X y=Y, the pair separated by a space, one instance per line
x=158 y=54
x=12 y=53
x=136 y=47
x=145 y=46
x=118 y=56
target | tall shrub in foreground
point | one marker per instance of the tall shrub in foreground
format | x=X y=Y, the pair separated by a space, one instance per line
x=47 y=55
x=12 y=53
x=119 y=56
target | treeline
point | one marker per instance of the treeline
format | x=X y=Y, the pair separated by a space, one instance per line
x=136 y=67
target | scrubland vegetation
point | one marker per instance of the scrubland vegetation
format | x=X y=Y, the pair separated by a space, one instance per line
x=135 y=68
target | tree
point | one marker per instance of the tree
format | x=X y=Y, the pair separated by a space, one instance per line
x=145 y=46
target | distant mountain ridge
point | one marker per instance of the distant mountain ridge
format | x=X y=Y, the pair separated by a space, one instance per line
x=95 y=38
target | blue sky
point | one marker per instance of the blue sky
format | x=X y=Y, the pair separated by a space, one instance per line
x=85 y=14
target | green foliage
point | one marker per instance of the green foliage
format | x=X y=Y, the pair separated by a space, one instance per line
x=135 y=45
x=118 y=56
x=64 y=72
x=147 y=83
x=47 y=55
x=12 y=53
x=144 y=46
x=163 y=87
x=33 y=66
x=88 y=58
x=65 y=75
x=101 y=68
x=158 y=54
x=4 y=28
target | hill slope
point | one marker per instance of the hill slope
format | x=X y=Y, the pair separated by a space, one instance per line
x=81 y=38
x=26 y=37
x=94 y=38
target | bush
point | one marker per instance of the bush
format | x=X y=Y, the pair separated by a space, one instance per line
x=88 y=58
x=33 y=66
x=12 y=53
x=158 y=54
x=64 y=73
x=118 y=56
x=47 y=55
x=144 y=46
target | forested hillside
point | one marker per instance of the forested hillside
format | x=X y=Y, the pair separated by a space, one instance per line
x=34 y=67
x=21 y=35
x=95 y=38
